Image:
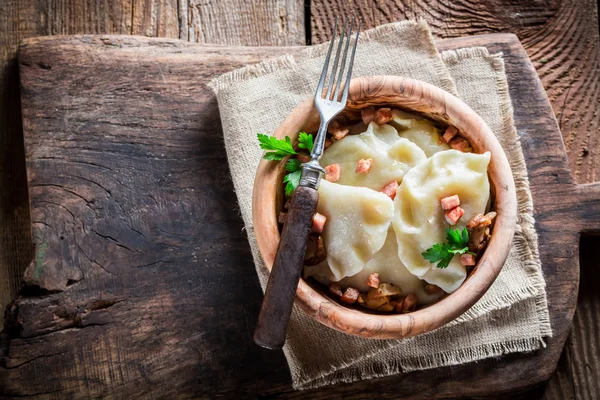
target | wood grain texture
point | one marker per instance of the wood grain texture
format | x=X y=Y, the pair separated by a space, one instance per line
x=264 y=22
x=148 y=231
x=131 y=196
x=563 y=33
x=437 y=104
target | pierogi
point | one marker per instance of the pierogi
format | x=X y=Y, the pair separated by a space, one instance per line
x=374 y=236
x=419 y=220
x=358 y=220
x=419 y=131
x=392 y=157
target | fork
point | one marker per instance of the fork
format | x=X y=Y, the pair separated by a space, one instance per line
x=277 y=304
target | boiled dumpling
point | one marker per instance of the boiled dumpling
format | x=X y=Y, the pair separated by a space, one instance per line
x=391 y=270
x=358 y=220
x=419 y=220
x=392 y=157
x=419 y=131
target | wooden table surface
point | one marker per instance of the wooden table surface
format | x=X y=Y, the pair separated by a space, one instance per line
x=561 y=38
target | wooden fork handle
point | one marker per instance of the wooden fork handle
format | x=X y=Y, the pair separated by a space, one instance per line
x=277 y=304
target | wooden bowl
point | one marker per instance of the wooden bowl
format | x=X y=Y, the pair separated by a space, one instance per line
x=438 y=105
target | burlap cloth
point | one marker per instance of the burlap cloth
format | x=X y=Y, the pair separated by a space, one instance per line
x=511 y=317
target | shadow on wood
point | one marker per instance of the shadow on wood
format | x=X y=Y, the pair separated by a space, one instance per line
x=15 y=226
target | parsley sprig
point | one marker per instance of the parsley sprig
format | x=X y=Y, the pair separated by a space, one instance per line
x=442 y=253
x=278 y=149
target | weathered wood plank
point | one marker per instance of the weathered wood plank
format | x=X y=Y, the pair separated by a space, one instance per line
x=248 y=23
x=136 y=227
x=553 y=27
x=265 y=22
x=147 y=194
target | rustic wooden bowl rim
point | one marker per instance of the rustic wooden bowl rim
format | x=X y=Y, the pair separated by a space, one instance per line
x=408 y=94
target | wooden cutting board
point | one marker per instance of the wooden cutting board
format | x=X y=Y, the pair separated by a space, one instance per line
x=143 y=284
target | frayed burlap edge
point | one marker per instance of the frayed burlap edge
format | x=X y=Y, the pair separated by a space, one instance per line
x=378 y=369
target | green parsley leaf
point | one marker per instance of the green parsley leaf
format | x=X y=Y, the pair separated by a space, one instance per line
x=292 y=180
x=445 y=262
x=292 y=165
x=436 y=253
x=277 y=148
x=442 y=253
x=305 y=141
x=273 y=156
x=457 y=238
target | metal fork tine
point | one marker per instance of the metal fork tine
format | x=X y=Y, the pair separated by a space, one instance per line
x=339 y=81
x=326 y=64
x=330 y=89
x=349 y=75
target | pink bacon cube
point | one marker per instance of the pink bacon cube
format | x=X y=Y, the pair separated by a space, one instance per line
x=364 y=166
x=449 y=134
x=332 y=172
x=467 y=259
x=390 y=189
x=448 y=203
x=454 y=215
x=318 y=223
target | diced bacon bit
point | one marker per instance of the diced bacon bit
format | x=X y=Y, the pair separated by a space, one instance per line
x=448 y=203
x=336 y=289
x=332 y=172
x=350 y=296
x=340 y=134
x=467 y=259
x=387 y=306
x=399 y=304
x=384 y=290
x=303 y=158
x=368 y=115
x=282 y=217
x=410 y=303
x=383 y=116
x=479 y=231
x=481 y=220
x=363 y=166
x=337 y=129
x=461 y=144
x=362 y=299
x=432 y=289
x=374 y=304
x=454 y=215
x=478 y=238
x=328 y=142
x=318 y=222
x=390 y=189
x=315 y=250
x=373 y=280
x=449 y=134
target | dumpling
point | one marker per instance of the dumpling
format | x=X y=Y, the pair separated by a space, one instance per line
x=358 y=220
x=419 y=131
x=392 y=157
x=419 y=220
x=391 y=270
